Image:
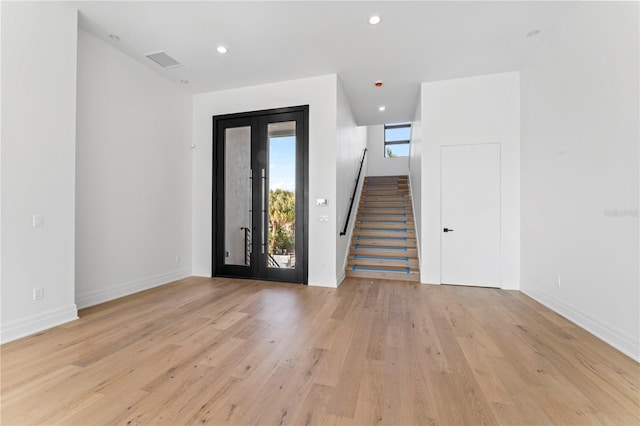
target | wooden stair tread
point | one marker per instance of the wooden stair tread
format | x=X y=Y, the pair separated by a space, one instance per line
x=392 y=217
x=384 y=242
x=411 y=252
x=385 y=233
x=413 y=276
x=372 y=260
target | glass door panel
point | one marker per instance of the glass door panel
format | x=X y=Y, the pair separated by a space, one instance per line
x=281 y=212
x=238 y=196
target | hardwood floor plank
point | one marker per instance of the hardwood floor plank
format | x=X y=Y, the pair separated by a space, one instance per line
x=420 y=393
x=313 y=406
x=345 y=397
x=102 y=411
x=203 y=413
x=221 y=351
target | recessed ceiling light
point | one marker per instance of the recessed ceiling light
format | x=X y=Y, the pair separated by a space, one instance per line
x=374 y=20
x=184 y=81
x=222 y=49
x=382 y=108
x=533 y=33
x=114 y=37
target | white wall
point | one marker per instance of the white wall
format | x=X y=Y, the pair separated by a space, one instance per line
x=133 y=210
x=351 y=142
x=580 y=172
x=415 y=180
x=484 y=109
x=379 y=165
x=38 y=165
x=320 y=94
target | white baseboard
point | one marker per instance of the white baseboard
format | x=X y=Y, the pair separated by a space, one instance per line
x=510 y=285
x=626 y=344
x=327 y=285
x=17 y=329
x=118 y=291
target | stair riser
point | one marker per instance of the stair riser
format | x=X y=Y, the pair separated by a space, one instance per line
x=389 y=208
x=408 y=214
x=385 y=218
x=384 y=212
x=400 y=216
x=383 y=192
x=413 y=277
x=410 y=242
x=381 y=178
x=412 y=263
x=390 y=181
x=403 y=188
x=388 y=198
x=404 y=223
x=386 y=178
x=386 y=225
x=406 y=204
x=410 y=252
x=384 y=234
x=385 y=186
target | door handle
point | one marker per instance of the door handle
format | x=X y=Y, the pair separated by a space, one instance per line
x=447 y=230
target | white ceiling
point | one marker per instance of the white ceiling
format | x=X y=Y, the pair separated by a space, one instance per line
x=417 y=41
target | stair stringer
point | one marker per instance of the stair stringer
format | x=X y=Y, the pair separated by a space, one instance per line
x=351 y=226
x=418 y=236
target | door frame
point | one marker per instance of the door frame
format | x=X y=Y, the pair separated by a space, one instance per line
x=217 y=247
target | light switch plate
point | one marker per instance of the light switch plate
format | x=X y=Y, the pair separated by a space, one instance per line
x=322 y=202
x=38 y=293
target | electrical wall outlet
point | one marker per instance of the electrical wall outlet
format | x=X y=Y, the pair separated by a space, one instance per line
x=38 y=221
x=38 y=293
x=324 y=218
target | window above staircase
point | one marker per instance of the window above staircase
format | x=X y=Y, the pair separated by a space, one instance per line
x=397 y=138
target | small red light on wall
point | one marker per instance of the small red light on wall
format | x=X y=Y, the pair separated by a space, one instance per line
x=378 y=83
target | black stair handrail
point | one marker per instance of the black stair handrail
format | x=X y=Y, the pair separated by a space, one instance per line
x=353 y=197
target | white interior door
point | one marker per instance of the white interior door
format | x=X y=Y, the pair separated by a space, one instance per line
x=470 y=234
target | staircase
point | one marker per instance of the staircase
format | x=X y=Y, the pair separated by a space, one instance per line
x=384 y=237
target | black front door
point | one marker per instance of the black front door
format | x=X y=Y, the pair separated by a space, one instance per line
x=260 y=179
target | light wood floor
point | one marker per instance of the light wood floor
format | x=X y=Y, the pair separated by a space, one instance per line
x=242 y=352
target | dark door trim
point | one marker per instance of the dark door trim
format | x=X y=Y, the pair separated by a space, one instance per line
x=302 y=173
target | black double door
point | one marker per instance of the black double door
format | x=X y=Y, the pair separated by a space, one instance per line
x=260 y=198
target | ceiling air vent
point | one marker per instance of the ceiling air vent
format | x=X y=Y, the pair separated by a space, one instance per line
x=162 y=59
